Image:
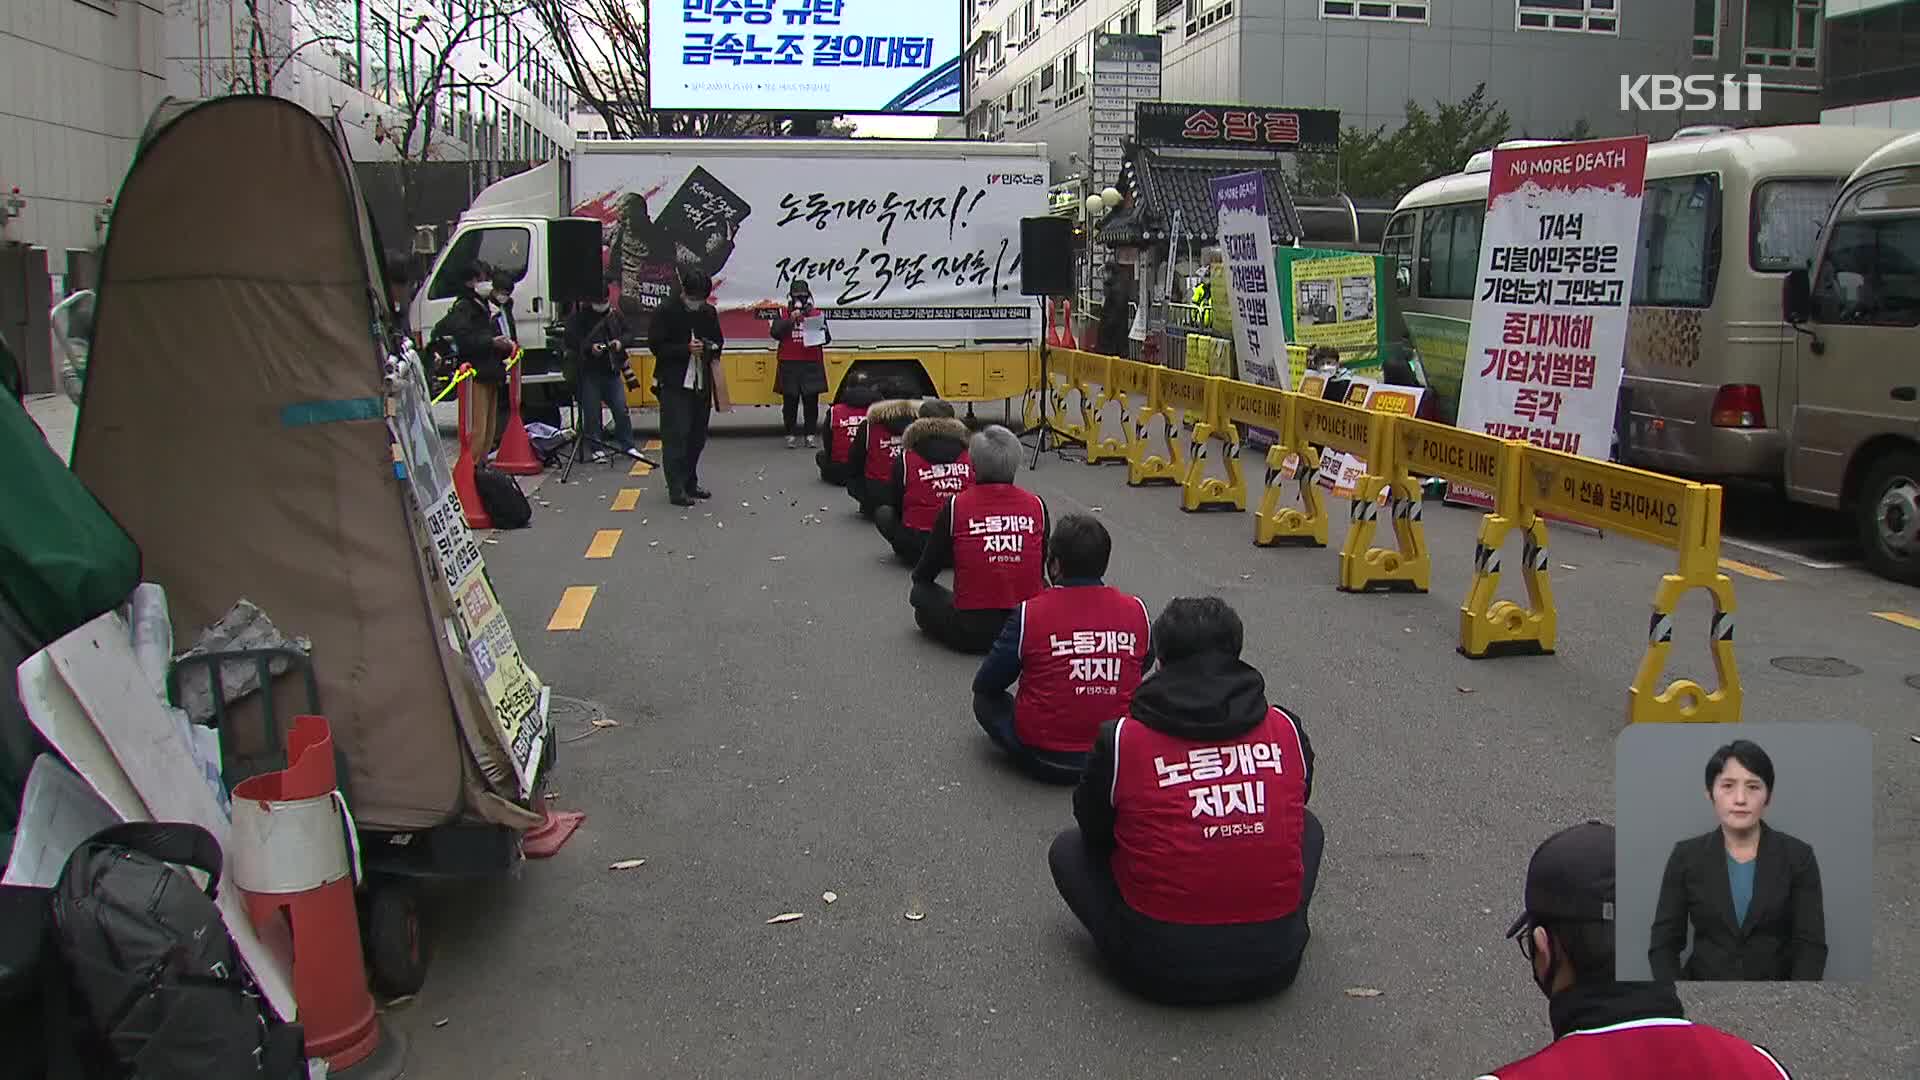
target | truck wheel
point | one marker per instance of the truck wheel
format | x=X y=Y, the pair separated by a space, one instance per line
x=1889 y=515
x=396 y=945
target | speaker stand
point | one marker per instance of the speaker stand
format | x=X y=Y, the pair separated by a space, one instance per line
x=1046 y=396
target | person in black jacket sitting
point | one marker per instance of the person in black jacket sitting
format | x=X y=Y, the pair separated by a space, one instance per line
x=1750 y=892
x=470 y=325
x=685 y=339
x=931 y=467
x=603 y=365
x=877 y=443
x=1196 y=856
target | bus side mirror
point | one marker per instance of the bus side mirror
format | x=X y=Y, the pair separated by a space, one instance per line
x=1796 y=298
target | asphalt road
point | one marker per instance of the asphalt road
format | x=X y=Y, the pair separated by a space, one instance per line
x=784 y=732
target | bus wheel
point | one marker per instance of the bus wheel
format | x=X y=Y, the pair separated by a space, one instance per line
x=1889 y=513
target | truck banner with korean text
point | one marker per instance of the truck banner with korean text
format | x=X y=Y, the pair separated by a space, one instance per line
x=1549 y=323
x=899 y=243
x=1335 y=298
x=1246 y=238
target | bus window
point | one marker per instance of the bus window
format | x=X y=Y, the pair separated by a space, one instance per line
x=1787 y=216
x=1397 y=244
x=1679 y=259
x=1450 y=251
x=1871 y=275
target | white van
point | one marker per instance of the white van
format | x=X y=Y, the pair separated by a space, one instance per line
x=1726 y=216
x=1854 y=432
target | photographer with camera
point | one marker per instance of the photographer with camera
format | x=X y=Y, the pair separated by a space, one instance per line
x=605 y=377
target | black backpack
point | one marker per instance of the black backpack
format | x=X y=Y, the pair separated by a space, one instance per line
x=137 y=976
x=501 y=497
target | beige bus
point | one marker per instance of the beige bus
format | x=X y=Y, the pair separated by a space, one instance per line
x=1854 y=432
x=1726 y=216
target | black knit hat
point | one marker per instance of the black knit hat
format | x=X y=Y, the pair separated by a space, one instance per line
x=1569 y=879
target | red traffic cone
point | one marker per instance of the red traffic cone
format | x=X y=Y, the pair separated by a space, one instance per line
x=293 y=863
x=470 y=504
x=516 y=454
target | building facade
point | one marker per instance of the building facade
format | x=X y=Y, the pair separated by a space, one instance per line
x=1552 y=64
x=1872 y=60
x=80 y=79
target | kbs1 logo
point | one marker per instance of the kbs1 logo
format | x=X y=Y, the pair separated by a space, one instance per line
x=1691 y=93
x=1017 y=179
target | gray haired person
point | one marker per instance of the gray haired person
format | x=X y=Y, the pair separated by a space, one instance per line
x=993 y=536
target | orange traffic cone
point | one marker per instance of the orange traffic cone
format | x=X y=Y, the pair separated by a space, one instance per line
x=294 y=863
x=516 y=454
x=470 y=504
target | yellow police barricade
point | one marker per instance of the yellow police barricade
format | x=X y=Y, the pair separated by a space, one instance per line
x=1069 y=418
x=1088 y=373
x=1676 y=514
x=1490 y=627
x=1144 y=467
x=1385 y=485
x=1270 y=409
x=1199 y=491
x=1129 y=384
x=1066 y=422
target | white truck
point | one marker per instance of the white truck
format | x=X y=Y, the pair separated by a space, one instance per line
x=912 y=248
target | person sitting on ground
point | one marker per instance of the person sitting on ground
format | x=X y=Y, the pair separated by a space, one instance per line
x=874 y=448
x=1196 y=857
x=993 y=536
x=931 y=468
x=1603 y=1029
x=857 y=395
x=1078 y=649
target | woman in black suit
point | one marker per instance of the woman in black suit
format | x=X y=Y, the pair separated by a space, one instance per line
x=1751 y=893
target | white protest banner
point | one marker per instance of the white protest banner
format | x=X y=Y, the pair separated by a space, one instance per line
x=896 y=247
x=1246 y=237
x=1549 y=324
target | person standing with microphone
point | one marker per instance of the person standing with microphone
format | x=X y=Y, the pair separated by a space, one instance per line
x=802 y=371
x=684 y=337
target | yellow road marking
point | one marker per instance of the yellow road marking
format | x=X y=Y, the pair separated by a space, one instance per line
x=604 y=541
x=651 y=444
x=1898 y=619
x=640 y=468
x=627 y=498
x=1750 y=570
x=572 y=611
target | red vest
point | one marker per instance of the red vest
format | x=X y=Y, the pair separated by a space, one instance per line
x=1209 y=835
x=793 y=347
x=842 y=422
x=1647 y=1050
x=929 y=485
x=1081 y=653
x=998 y=530
x=881 y=446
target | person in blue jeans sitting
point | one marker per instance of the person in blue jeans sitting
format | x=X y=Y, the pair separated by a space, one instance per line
x=1078 y=651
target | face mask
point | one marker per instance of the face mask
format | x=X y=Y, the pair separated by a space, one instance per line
x=483 y=290
x=504 y=302
x=802 y=300
x=600 y=308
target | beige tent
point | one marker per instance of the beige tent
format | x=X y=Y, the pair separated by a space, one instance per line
x=234 y=424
